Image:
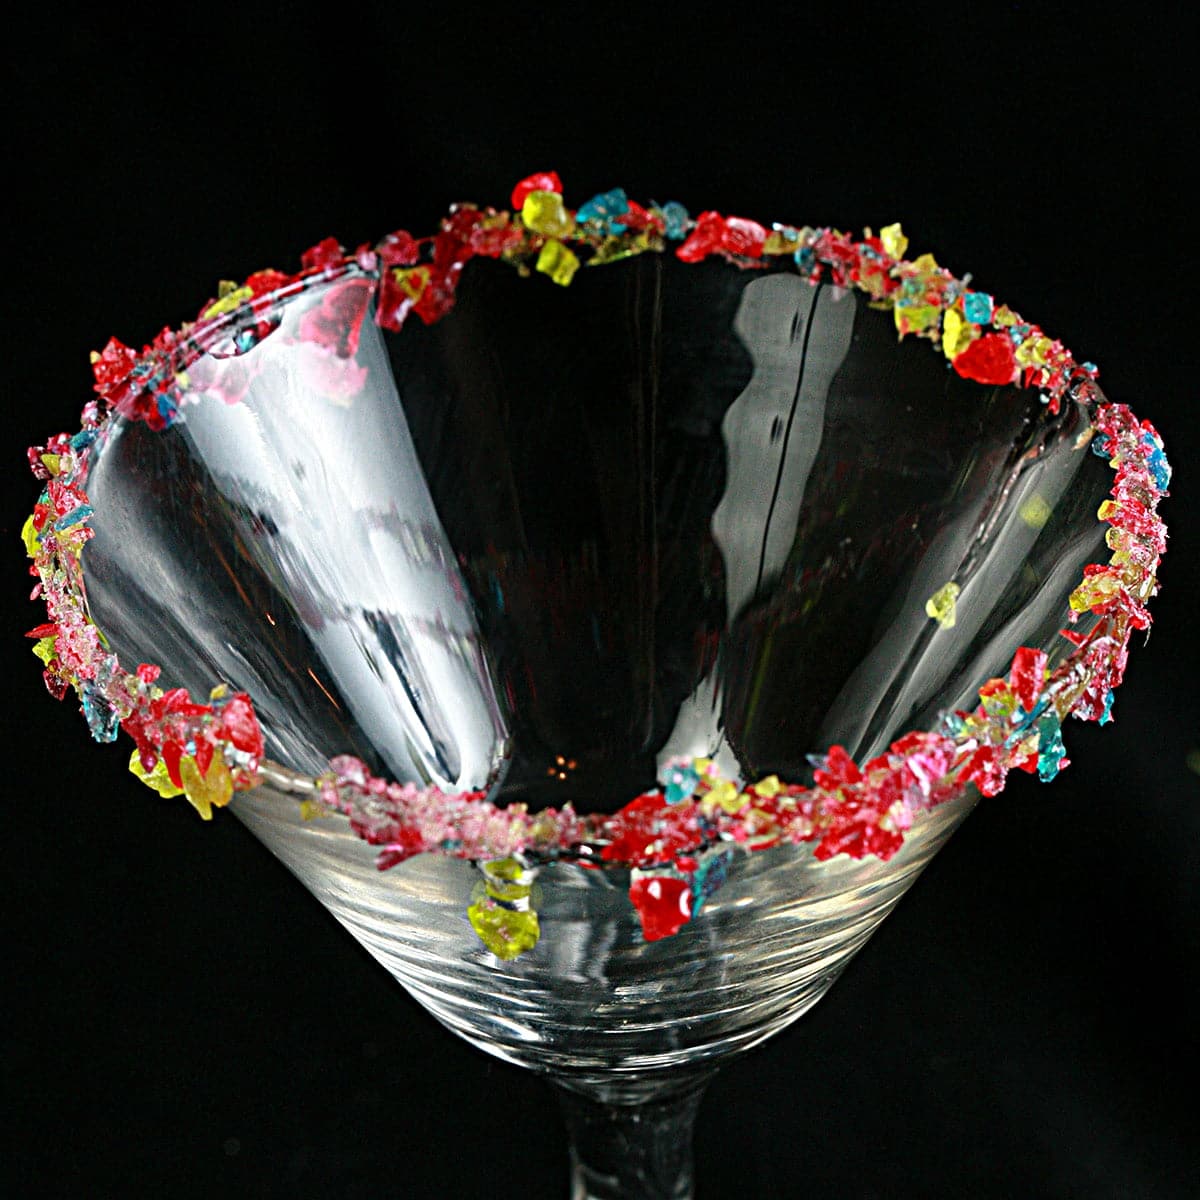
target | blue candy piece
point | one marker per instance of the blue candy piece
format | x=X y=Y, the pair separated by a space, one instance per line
x=604 y=209
x=708 y=876
x=101 y=717
x=167 y=409
x=977 y=307
x=1100 y=446
x=1157 y=462
x=676 y=217
x=78 y=514
x=680 y=784
x=1106 y=715
x=1051 y=750
x=1022 y=720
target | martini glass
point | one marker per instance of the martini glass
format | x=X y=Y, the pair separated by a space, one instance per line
x=608 y=650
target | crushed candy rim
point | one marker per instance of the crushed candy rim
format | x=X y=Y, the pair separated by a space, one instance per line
x=677 y=838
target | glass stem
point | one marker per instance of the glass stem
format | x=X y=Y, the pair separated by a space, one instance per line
x=630 y=1147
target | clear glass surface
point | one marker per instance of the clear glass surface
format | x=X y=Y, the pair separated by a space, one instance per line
x=671 y=510
x=543 y=546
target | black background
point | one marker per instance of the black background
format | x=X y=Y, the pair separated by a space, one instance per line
x=181 y=1018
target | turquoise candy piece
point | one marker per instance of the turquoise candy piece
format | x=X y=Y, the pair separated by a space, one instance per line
x=977 y=307
x=676 y=217
x=1051 y=750
x=680 y=784
x=604 y=210
x=101 y=717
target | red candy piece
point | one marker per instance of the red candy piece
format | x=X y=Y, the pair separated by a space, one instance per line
x=1027 y=676
x=663 y=903
x=398 y=249
x=989 y=359
x=706 y=238
x=327 y=253
x=839 y=769
x=404 y=843
x=714 y=234
x=648 y=831
x=113 y=365
x=743 y=237
x=261 y=283
x=541 y=181
x=240 y=726
x=986 y=770
x=860 y=839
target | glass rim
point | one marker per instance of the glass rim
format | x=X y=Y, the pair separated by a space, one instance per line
x=933 y=766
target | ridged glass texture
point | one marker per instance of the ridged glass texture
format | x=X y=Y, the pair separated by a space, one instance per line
x=594 y=1004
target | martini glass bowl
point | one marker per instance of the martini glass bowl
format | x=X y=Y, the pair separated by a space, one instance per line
x=687 y=608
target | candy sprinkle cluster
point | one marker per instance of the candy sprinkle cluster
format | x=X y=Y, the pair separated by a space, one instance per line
x=678 y=839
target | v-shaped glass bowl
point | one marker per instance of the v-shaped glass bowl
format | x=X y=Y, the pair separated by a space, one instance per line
x=670 y=532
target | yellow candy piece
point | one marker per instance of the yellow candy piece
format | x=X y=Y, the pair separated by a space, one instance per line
x=1004 y=316
x=558 y=262
x=942 y=606
x=1107 y=509
x=957 y=333
x=158 y=779
x=915 y=318
x=779 y=242
x=231 y=297
x=44 y=648
x=893 y=239
x=769 y=786
x=1096 y=589
x=543 y=212
x=313 y=810
x=30 y=537
x=1034 y=351
x=507 y=934
x=413 y=281
x=926 y=263
x=51 y=463
x=507 y=879
x=1034 y=511
x=724 y=795
x=205 y=792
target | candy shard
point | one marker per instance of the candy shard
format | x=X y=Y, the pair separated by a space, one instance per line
x=206 y=790
x=990 y=359
x=893 y=239
x=1028 y=675
x=543 y=212
x=502 y=913
x=558 y=262
x=605 y=211
x=957 y=334
x=663 y=903
x=1034 y=511
x=1052 y=754
x=505 y=932
x=977 y=307
x=158 y=779
x=942 y=606
x=676 y=218
x=540 y=181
